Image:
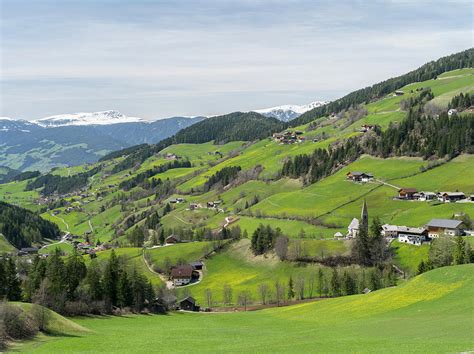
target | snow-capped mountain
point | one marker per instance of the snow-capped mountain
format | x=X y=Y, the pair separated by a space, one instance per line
x=94 y=118
x=290 y=111
x=74 y=139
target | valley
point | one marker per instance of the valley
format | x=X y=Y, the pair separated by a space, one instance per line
x=352 y=223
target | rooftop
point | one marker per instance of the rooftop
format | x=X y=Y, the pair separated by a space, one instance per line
x=445 y=223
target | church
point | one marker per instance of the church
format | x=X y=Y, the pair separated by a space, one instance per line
x=356 y=224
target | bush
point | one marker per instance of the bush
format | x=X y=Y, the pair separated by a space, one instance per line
x=17 y=323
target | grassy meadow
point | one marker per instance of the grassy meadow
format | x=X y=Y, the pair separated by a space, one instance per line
x=431 y=313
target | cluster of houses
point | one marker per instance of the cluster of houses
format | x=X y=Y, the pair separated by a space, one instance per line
x=366 y=128
x=186 y=273
x=356 y=176
x=412 y=235
x=446 y=197
x=170 y=156
x=289 y=137
x=419 y=235
x=209 y=205
x=177 y=200
x=218 y=153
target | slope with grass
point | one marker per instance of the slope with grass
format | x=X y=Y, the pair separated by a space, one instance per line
x=431 y=313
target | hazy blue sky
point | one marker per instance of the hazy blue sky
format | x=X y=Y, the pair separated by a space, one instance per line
x=162 y=58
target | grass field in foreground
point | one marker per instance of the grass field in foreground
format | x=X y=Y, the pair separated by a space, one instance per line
x=431 y=313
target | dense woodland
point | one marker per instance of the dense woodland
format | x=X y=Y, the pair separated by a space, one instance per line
x=462 y=101
x=59 y=184
x=22 y=227
x=222 y=177
x=428 y=71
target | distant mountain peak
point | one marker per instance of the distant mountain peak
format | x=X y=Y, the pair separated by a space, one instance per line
x=83 y=118
x=290 y=111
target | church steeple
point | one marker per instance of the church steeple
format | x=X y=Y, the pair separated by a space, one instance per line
x=364 y=218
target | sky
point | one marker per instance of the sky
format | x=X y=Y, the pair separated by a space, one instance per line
x=157 y=59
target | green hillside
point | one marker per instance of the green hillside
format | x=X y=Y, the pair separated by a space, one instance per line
x=431 y=313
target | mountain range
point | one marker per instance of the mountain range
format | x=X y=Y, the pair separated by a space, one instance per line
x=74 y=139
x=69 y=140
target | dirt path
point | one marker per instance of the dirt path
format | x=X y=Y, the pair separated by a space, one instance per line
x=63 y=221
x=388 y=184
x=168 y=283
x=184 y=222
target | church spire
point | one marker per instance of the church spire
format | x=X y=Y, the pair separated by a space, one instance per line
x=364 y=218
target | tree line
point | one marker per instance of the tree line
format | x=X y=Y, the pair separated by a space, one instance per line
x=445 y=251
x=223 y=177
x=22 y=227
x=323 y=282
x=59 y=184
x=70 y=287
x=462 y=101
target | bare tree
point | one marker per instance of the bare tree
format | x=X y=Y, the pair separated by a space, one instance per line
x=209 y=297
x=264 y=291
x=244 y=298
x=39 y=311
x=227 y=294
x=279 y=292
x=281 y=247
x=300 y=285
x=298 y=249
x=432 y=109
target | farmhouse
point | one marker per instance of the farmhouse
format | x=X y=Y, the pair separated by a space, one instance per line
x=27 y=250
x=452 y=111
x=390 y=231
x=450 y=197
x=439 y=227
x=399 y=93
x=406 y=193
x=188 y=304
x=412 y=235
x=182 y=274
x=425 y=196
x=366 y=127
x=356 y=176
x=197 y=265
x=172 y=239
x=170 y=156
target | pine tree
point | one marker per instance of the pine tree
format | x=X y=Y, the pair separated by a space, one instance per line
x=75 y=271
x=320 y=282
x=335 y=283
x=13 y=282
x=110 y=281
x=162 y=236
x=348 y=283
x=291 y=290
x=93 y=280
x=124 y=290
x=3 y=278
x=460 y=251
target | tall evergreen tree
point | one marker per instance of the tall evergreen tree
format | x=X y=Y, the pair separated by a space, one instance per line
x=110 y=281
x=13 y=282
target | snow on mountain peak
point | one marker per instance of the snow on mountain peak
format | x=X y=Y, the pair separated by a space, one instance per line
x=290 y=111
x=94 y=118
